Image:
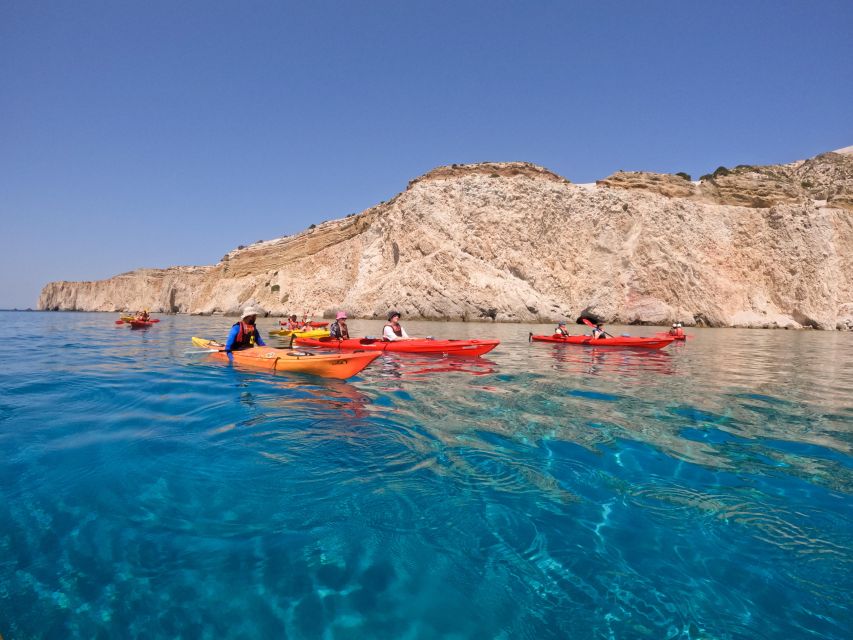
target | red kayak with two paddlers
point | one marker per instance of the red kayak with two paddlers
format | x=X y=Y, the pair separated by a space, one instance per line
x=414 y=345
x=654 y=342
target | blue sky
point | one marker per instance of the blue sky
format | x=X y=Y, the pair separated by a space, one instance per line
x=157 y=133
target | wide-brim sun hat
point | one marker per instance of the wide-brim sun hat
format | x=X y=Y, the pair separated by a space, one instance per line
x=342 y=315
x=249 y=311
x=392 y=314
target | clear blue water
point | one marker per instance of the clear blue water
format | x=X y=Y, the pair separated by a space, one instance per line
x=540 y=492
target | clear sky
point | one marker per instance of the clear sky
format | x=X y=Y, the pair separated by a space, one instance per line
x=159 y=133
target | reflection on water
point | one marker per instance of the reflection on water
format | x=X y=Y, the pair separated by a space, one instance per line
x=633 y=363
x=546 y=491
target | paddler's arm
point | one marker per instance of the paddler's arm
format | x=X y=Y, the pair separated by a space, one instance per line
x=258 y=340
x=229 y=344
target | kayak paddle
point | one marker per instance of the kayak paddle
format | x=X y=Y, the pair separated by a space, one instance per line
x=587 y=322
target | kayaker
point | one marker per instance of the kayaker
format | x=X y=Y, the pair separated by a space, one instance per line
x=677 y=329
x=561 y=330
x=393 y=331
x=244 y=334
x=338 y=329
x=598 y=332
x=292 y=323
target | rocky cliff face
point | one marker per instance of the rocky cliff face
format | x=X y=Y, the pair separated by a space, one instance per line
x=751 y=246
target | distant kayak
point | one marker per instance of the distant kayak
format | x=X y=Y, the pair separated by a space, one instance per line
x=444 y=347
x=131 y=319
x=683 y=336
x=311 y=333
x=140 y=324
x=316 y=325
x=337 y=365
x=655 y=342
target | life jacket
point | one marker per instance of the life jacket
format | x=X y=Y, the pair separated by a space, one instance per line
x=561 y=332
x=398 y=330
x=679 y=332
x=335 y=331
x=245 y=335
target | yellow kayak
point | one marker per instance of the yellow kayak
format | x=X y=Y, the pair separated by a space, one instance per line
x=336 y=365
x=296 y=333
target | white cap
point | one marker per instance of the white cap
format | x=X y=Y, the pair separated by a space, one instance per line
x=249 y=311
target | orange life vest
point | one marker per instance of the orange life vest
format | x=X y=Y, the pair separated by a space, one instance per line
x=398 y=330
x=245 y=335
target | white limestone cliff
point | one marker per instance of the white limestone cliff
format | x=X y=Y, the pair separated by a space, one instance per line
x=752 y=246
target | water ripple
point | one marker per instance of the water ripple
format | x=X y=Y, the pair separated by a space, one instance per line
x=545 y=491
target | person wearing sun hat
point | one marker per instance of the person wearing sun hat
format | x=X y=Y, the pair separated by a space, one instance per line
x=338 y=329
x=244 y=334
x=561 y=330
x=393 y=331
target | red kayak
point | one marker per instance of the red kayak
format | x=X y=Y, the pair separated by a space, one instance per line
x=140 y=324
x=655 y=342
x=417 y=345
x=683 y=336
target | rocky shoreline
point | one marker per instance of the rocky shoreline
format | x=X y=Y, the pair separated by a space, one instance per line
x=749 y=246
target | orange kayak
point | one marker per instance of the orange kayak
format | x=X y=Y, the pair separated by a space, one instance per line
x=337 y=365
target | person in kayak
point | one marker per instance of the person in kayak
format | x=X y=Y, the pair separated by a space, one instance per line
x=677 y=329
x=393 y=331
x=292 y=324
x=561 y=330
x=598 y=332
x=338 y=329
x=143 y=315
x=244 y=334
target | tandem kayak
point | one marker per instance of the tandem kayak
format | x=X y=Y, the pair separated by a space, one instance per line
x=311 y=333
x=337 y=365
x=417 y=345
x=683 y=336
x=655 y=342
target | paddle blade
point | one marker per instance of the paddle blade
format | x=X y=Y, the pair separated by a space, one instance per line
x=119 y=321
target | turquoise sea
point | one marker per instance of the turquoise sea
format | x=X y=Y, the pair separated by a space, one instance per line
x=542 y=491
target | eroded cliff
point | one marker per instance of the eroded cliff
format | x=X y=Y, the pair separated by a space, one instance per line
x=751 y=246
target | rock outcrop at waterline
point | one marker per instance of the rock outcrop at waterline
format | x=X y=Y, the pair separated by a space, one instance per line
x=750 y=246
